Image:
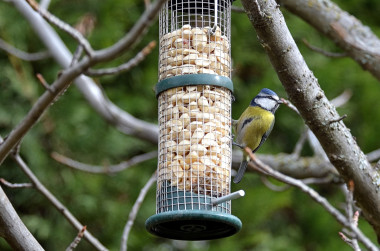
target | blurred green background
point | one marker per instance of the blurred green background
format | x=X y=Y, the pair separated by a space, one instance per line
x=271 y=220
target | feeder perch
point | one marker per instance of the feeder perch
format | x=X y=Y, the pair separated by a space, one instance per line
x=194 y=110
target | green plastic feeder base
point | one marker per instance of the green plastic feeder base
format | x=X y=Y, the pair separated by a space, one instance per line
x=193 y=225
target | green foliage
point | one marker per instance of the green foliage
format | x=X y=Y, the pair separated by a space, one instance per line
x=271 y=220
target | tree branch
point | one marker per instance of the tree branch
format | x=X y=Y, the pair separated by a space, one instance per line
x=56 y=203
x=323 y=52
x=63 y=26
x=22 y=54
x=77 y=239
x=134 y=211
x=122 y=120
x=267 y=170
x=15 y=185
x=71 y=73
x=305 y=93
x=356 y=39
x=109 y=169
x=126 y=66
x=12 y=229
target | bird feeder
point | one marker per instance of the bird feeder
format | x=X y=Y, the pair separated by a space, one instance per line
x=194 y=111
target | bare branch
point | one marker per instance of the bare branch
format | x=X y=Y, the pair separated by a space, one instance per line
x=56 y=203
x=299 y=145
x=12 y=229
x=77 y=239
x=134 y=34
x=264 y=179
x=356 y=39
x=374 y=155
x=323 y=52
x=342 y=99
x=306 y=94
x=71 y=73
x=352 y=217
x=21 y=54
x=324 y=180
x=134 y=211
x=15 y=185
x=122 y=120
x=290 y=105
x=237 y=9
x=43 y=82
x=103 y=169
x=301 y=168
x=63 y=26
x=126 y=66
x=44 y=101
x=267 y=170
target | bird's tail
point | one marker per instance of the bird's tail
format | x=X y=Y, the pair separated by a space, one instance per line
x=241 y=171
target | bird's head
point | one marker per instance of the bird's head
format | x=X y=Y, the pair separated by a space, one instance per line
x=267 y=99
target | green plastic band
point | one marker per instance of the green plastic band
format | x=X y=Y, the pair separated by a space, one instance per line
x=194 y=79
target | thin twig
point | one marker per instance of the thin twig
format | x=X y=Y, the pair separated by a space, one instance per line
x=237 y=9
x=134 y=211
x=261 y=167
x=15 y=185
x=374 y=155
x=77 y=54
x=299 y=145
x=353 y=217
x=290 y=105
x=70 y=74
x=56 y=203
x=43 y=82
x=126 y=66
x=338 y=119
x=103 y=169
x=77 y=239
x=22 y=54
x=324 y=180
x=85 y=26
x=264 y=179
x=342 y=99
x=323 y=52
x=63 y=26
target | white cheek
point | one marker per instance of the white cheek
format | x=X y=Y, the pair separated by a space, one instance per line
x=266 y=103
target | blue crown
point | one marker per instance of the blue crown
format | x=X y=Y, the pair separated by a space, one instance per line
x=268 y=92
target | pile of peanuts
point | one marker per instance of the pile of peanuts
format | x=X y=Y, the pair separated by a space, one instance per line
x=195 y=139
x=193 y=50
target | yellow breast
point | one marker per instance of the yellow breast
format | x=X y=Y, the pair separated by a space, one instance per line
x=251 y=133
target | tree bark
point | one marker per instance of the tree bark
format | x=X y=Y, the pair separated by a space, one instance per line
x=12 y=229
x=318 y=113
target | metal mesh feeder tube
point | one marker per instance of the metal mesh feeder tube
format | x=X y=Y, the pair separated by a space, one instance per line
x=194 y=111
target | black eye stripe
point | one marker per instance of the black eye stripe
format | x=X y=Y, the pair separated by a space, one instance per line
x=270 y=97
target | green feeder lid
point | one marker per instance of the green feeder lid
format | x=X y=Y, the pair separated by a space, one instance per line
x=194 y=79
x=193 y=225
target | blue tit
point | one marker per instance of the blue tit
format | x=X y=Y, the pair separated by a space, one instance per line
x=254 y=125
